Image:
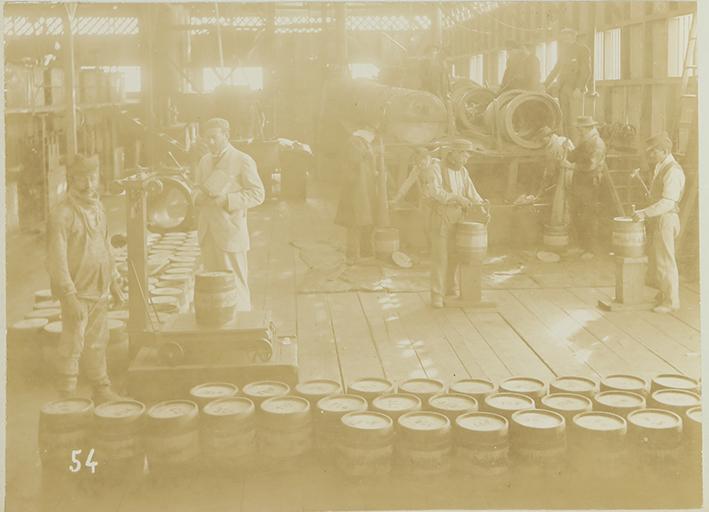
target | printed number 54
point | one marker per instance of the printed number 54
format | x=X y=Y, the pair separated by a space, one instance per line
x=76 y=463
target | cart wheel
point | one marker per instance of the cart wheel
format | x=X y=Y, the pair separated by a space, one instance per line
x=170 y=353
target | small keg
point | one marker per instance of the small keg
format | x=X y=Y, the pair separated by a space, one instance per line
x=285 y=430
x=118 y=348
x=476 y=388
x=482 y=445
x=597 y=445
x=675 y=381
x=574 y=384
x=556 y=238
x=628 y=238
x=632 y=383
x=386 y=241
x=366 y=446
x=693 y=443
x=228 y=433
x=262 y=390
x=24 y=348
x=370 y=388
x=656 y=442
x=538 y=439
x=422 y=388
x=117 y=438
x=424 y=444
x=215 y=298
x=567 y=404
x=171 y=437
x=676 y=400
x=314 y=390
x=328 y=424
x=619 y=402
x=528 y=386
x=51 y=334
x=471 y=242
x=452 y=405
x=395 y=405
x=64 y=426
x=505 y=404
x=202 y=394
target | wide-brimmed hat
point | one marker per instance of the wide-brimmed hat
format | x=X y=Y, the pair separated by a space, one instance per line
x=582 y=121
x=659 y=139
x=458 y=145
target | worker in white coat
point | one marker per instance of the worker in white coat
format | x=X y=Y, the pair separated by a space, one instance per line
x=666 y=190
x=228 y=185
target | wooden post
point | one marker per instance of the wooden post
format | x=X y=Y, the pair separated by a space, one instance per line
x=630 y=291
x=341 y=35
x=69 y=82
x=436 y=26
x=148 y=73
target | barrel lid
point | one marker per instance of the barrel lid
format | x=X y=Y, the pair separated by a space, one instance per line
x=119 y=409
x=67 y=406
x=571 y=384
x=367 y=420
x=538 y=419
x=44 y=313
x=176 y=270
x=183 y=259
x=695 y=414
x=229 y=406
x=266 y=388
x=371 y=385
x=214 y=275
x=675 y=381
x=625 y=382
x=473 y=386
x=341 y=403
x=396 y=402
x=285 y=405
x=53 y=327
x=655 y=419
x=623 y=219
x=214 y=389
x=172 y=409
x=167 y=291
x=46 y=304
x=548 y=257
x=318 y=387
x=509 y=401
x=179 y=277
x=424 y=421
x=163 y=299
x=401 y=259
x=522 y=385
x=567 y=402
x=422 y=385
x=676 y=397
x=599 y=421
x=624 y=399
x=482 y=422
x=114 y=324
x=30 y=324
x=119 y=314
x=453 y=402
x=45 y=294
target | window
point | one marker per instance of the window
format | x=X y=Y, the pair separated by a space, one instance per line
x=501 y=64
x=251 y=77
x=477 y=69
x=677 y=42
x=132 y=82
x=607 y=55
x=364 y=70
x=546 y=53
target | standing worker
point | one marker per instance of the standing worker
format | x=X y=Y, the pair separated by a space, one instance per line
x=590 y=159
x=82 y=275
x=573 y=69
x=452 y=194
x=521 y=69
x=228 y=185
x=666 y=190
x=357 y=206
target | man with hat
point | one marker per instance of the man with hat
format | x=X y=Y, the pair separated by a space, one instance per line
x=572 y=69
x=451 y=195
x=83 y=277
x=228 y=185
x=666 y=190
x=521 y=69
x=590 y=159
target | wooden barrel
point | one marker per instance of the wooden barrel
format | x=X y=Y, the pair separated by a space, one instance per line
x=538 y=441
x=117 y=438
x=386 y=241
x=475 y=388
x=285 y=432
x=395 y=405
x=51 y=333
x=528 y=386
x=675 y=381
x=621 y=403
x=678 y=401
x=24 y=348
x=597 y=445
x=628 y=238
x=172 y=437
x=328 y=424
x=64 y=425
x=215 y=298
x=471 y=242
x=556 y=238
x=51 y=314
x=567 y=404
x=202 y=394
x=620 y=382
x=506 y=404
x=228 y=433
x=370 y=387
x=452 y=405
x=424 y=444
x=574 y=384
x=262 y=390
x=482 y=444
x=422 y=388
x=656 y=442
x=366 y=446
x=118 y=348
x=693 y=443
x=314 y=390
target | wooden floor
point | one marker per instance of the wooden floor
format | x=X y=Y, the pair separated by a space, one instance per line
x=546 y=325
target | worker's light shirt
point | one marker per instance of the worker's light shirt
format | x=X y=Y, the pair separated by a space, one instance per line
x=460 y=183
x=666 y=196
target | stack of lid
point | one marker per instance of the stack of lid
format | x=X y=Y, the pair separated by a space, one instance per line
x=366 y=445
x=424 y=444
x=482 y=445
x=328 y=420
x=285 y=432
x=228 y=433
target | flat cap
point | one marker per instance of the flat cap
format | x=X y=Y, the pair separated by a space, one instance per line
x=586 y=121
x=83 y=164
x=217 y=122
x=661 y=140
x=459 y=145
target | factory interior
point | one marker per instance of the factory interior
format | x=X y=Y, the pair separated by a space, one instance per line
x=362 y=256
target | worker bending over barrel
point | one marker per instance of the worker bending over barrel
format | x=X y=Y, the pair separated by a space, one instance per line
x=82 y=275
x=228 y=185
x=666 y=190
x=451 y=194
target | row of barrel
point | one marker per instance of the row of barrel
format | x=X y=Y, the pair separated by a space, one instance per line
x=421 y=427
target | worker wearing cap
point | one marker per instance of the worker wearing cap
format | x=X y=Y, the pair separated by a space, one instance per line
x=451 y=194
x=521 y=69
x=356 y=209
x=82 y=275
x=228 y=185
x=572 y=71
x=590 y=159
x=666 y=190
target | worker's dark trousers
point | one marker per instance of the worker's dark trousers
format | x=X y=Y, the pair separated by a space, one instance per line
x=359 y=242
x=571 y=108
x=584 y=212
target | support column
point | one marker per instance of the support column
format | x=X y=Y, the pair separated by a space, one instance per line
x=69 y=82
x=341 y=35
x=436 y=25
